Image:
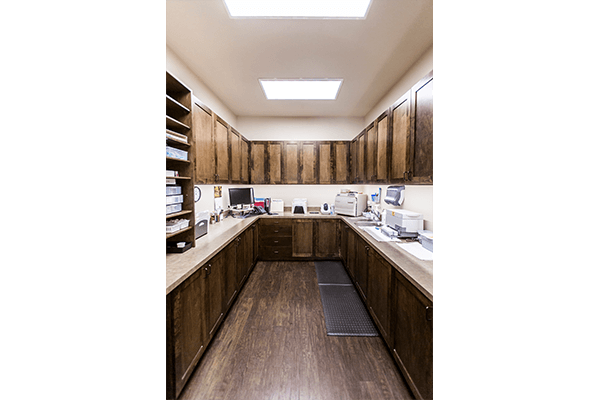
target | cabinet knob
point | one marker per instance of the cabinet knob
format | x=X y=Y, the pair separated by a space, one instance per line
x=429 y=313
x=207 y=269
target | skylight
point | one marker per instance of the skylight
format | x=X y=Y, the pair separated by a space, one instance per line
x=301 y=89
x=297 y=8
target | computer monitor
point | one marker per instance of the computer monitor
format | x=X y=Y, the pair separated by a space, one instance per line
x=241 y=196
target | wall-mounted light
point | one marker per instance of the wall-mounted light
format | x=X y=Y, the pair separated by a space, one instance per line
x=342 y=9
x=301 y=89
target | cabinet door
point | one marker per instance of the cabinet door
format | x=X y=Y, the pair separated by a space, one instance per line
x=302 y=238
x=354 y=161
x=221 y=150
x=258 y=170
x=360 y=156
x=245 y=157
x=214 y=294
x=185 y=331
x=291 y=160
x=254 y=242
x=342 y=162
x=308 y=163
x=422 y=115
x=230 y=287
x=324 y=165
x=202 y=127
x=379 y=283
x=382 y=156
x=344 y=243
x=352 y=250
x=240 y=270
x=326 y=239
x=400 y=141
x=236 y=155
x=413 y=336
x=370 y=153
x=275 y=158
x=361 y=266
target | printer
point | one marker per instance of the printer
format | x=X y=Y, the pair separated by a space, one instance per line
x=351 y=203
x=402 y=223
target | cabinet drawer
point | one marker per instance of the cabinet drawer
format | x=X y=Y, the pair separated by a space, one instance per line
x=276 y=222
x=275 y=252
x=265 y=231
x=276 y=241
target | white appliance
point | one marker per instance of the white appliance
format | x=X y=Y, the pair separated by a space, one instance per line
x=276 y=205
x=405 y=223
x=352 y=204
x=299 y=206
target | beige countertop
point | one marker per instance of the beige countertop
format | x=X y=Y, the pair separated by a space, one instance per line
x=181 y=266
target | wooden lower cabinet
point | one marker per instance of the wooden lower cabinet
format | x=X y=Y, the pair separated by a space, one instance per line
x=361 y=266
x=186 y=331
x=327 y=239
x=412 y=332
x=302 y=238
x=379 y=283
x=228 y=259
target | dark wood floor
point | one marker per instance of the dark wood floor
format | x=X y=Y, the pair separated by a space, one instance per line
x=273 y=345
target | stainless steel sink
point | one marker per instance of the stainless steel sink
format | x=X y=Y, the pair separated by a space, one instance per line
x=367 y=223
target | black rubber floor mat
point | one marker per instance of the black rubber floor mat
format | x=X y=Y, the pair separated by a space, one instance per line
x=345 y=313
x=332 y=273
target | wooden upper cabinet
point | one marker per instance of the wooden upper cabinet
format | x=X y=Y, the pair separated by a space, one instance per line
x=400 y=140
x=353 y=161
x=341 y=152
x=382 y=154
x=370 y=153
x=275 y=157
x=221 y=140
x=325 y=174
x=422 y=115
x=236 y=155
x=308 y=162
x=245 y=159
x=360 y=157
x=412 y=135
x=291 y=160
x=202 y=127
x=258 y=162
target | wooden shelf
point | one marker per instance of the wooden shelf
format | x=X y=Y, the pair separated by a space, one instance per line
x=170 y=235
x=178 y=177
x=176 y=107
x=173 y=124
x=177 y=159
x=172 y=141
x=178 y=214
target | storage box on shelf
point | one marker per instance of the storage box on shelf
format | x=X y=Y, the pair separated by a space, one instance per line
x=179 y=165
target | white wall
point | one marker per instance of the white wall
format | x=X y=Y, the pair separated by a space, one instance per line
x=417 y=198
x=418 y=70
x=177 y=67
x=314 y=194
x=301 y=128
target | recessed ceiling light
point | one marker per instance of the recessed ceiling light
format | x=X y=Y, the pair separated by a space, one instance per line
x=301 y=89
x=297 y=8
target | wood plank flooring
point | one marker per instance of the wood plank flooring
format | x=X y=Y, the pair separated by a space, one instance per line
x=273 y=345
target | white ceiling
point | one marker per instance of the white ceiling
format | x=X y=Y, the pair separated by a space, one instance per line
x=230 y=55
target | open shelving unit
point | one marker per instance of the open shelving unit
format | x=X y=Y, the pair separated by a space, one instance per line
x=179 y=136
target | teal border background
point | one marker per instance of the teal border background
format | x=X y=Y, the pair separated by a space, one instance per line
x=82 y=270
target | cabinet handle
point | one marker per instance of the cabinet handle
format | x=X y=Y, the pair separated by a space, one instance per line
x=276 y=251
x=429 y=313
x=276 y=241
x=276 y=231
x=207 y=269
x=367 y=248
